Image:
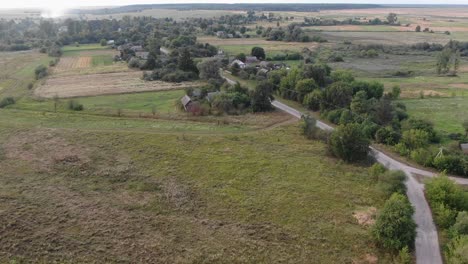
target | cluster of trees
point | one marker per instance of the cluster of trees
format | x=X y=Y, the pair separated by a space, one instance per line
x=449 y=203
x=391 y=19
x=232 y=99
x=293 y=32
x=448 y=60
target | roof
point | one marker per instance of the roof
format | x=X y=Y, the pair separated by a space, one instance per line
x=136 y=48
x=185 y=100
x=250 y=59
x=142 y=54
x=209 y=96
x=464 y=147
x=239 y=62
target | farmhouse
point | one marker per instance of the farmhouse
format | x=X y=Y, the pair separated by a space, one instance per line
x=238 y=62
x=221 y=34
x=142 y=55
x=464 y=148
x=251 y=59
x=110 y=42
x=136 y=48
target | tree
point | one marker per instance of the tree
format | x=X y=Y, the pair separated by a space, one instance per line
x=360 y=104
x=448 y=59
x=395 y=228
x=415 y=138
x=313 y=100
x=103 y=42
x=303 y=87
x=461 y=224
x=349 y=143
x=465 y=126
x=258 y=52
x=392 y=18
x=241 y=57
x=418 y=28
x=457 y=251
x=209 y=69
x=261 y=97
x=185 y=62
x=309 y=127
x=338 y=95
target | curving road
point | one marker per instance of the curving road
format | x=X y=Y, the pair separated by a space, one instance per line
x=427 y=242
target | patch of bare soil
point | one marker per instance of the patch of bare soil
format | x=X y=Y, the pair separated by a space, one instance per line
x=43 y=149
x=100 y=84
x=459 y=85
x=366 y=216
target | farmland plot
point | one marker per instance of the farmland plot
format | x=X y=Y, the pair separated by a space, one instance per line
x=99 y=84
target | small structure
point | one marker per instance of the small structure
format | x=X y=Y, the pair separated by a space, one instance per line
x=251 y=59
x=142 y=55
x=238 y=62
x=464 y=148
x=210 y=96
x=262 y=72
x=136 y=48
x=110 y=42
x=266 y=65
x=230 y=36
x=221 y=34
x=186 y=102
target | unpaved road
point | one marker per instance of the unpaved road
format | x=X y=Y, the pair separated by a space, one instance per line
x=427 y=242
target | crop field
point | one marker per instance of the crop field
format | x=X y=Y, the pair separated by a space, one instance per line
x=106 y=83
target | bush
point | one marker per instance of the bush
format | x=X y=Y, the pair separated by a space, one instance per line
x=392 y=182
x=134 y=63
x=422 y=156
x=444 y=216
x=415 y=138
x=75 y=106
x=457 y=251
x=309 y=128
x=349 y=143
x=461 y=224
x=7 y=101
x=452 y=163
x=376 y=169
x=395 y=228
x=312 y=100
x=387 y=135
x=41 y=72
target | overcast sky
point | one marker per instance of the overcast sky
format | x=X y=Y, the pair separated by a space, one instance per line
x=75 y=3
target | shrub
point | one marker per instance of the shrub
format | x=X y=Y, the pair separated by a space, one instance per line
x=312 y=100
x=461 y=223
x=134 y=63
x=387 y=135
x=41 y=72
x=422 y=156
x=404 y=256
x=457 y=251
x=444 y=216
x=395 y=228
x=376 y=169
x=415 y=138
x=452 y=163
x=7 y=101
x=392 y=182
x=75 y=105
x=349 y=143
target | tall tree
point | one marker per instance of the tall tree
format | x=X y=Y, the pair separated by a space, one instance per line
x=185 y=61
x=262 y=96
x=258 y=52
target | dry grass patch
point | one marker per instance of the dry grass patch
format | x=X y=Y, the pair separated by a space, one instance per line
x=106 y=83
x=366 y=216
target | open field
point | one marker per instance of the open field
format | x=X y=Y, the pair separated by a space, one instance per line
x=17 y=71
x=99 y=84
x=447 y=114
x=122 y=196
x=236 y=46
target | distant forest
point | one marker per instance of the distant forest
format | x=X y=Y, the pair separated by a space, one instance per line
x=254 y=7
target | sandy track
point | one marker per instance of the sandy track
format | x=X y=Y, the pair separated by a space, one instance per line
x=99 y=84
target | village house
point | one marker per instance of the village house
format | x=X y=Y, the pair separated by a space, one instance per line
x=464 y=148
x=238 y=62
x=137 y=48
x=251 y=59
x=142 y=55
x=221 y=34
x=110 y=42
x=186 y=102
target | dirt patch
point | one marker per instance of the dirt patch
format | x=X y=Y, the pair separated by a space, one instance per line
x=366 y=216
x=44 y=149
x=459 y=85
x=106 y=83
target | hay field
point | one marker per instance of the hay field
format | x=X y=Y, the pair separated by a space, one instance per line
x=106 y=83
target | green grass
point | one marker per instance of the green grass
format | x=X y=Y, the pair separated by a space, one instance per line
x=102 y=60
x=24 y=119
x=254 y=198
x=163 y=102
x=73 y=50
x=447 y=114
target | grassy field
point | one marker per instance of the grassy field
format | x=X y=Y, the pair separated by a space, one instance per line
x=260 y=197
x=447 y=114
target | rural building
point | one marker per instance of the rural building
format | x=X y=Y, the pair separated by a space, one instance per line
x=251 y=59
x=221 y=34
x=186 y=102
x=266 y=65
x=239 y=62
x=142 y=55
x=211 y=95
x=262 y=72
x=464 y=148
x=136 y=48
x=230 y=36
x=110 y=42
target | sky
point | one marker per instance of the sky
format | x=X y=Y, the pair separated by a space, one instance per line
x=4 y=4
